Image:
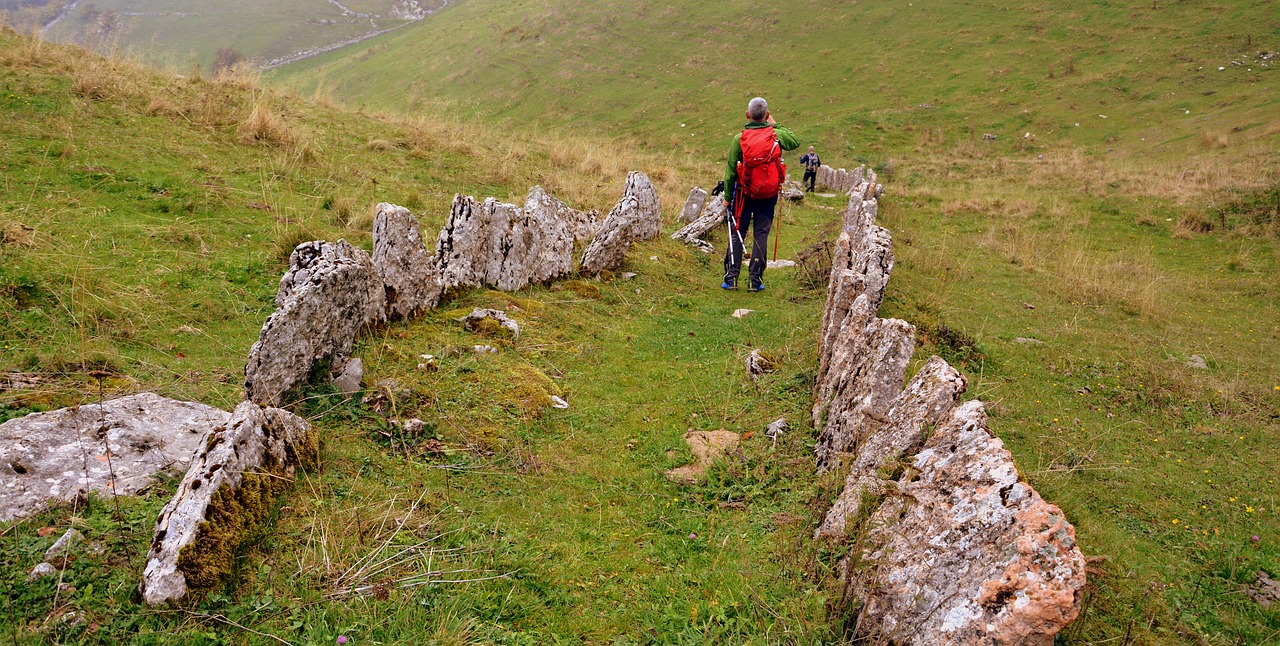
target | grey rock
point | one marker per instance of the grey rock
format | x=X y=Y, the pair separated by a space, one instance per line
x=608 y=249
x=713 y=217
x=791 y=194
x=348 y=380
x=881 y=443
x=781 y=264
x=408 y=272
x=40 y=571
x=266 y=444
x=61 y=548
x=1197 y=362
x=694 y=205
x=479 y=314
x=758 y=364
x=968 y=553
x=330 y=292
x=56 y=455
x=777 y=429
x=545 y=237
x=1022 y=340
x=648 y=223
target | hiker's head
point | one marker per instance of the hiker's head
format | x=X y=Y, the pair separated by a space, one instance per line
x=810 y=148
x=758 y=109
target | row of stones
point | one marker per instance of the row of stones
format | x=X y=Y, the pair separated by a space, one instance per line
x=949 y=545
x=330 y=293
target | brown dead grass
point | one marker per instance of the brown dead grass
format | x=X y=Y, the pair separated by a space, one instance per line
x=263 y=126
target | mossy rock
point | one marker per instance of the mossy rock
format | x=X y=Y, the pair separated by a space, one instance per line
x=531 y=390
x=583 y=288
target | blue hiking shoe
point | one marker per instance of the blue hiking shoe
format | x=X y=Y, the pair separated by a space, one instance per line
x=728 y=285
x=758 y=287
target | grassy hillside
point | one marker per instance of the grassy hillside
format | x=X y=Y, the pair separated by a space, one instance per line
x=146 y=222
x=1124 y=218
x=186 y=32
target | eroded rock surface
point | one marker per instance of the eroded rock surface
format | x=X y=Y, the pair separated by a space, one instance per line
x=694 y=205
x=229 y=490
x=330 y=292
x=648 y=222
x=56 y=455
x=409 y=277
x=479 y=316
x=968 y=553
x=713 y=216
x=881 y=444
x=608 y=250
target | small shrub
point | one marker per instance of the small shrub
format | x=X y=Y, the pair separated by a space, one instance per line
x=264 y=126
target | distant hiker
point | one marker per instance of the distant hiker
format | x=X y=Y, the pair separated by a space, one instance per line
x=811 y=163
x=752 y=181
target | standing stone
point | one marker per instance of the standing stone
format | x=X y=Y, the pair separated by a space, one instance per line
x=408 y=272
x=712 y=217
x=582 y=224
x=473 y=235
x=226 y=495
x=553 y=227
x=60 y=454
x=925 y=402
x=968 y=553
x=608 y=249
x=693 y=207
x=648 y=222
x=331 y=291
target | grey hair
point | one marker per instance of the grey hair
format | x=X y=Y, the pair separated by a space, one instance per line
x=758 y=109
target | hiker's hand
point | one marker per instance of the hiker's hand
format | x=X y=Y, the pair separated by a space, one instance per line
x=726 y=204
x=768 y=118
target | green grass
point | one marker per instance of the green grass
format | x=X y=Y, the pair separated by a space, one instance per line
x=182 y=33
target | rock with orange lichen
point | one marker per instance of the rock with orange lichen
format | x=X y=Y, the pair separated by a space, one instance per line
x=964 y=552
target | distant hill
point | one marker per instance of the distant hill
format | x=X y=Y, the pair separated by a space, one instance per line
x=221 y=32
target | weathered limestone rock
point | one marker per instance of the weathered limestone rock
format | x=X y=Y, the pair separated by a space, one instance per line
x=349 y=377
x=925 y=402
x=608 y=249
x=478 y=316
x=648 y=224
x=713 y=216
x=546 y=235
x=968 y=553
x=791 y=194
x=330 y=292
x=40 y=571
x=228 y=492
x=56 y=455
x=408 y=272
x=706 y=446
x=693 y=207
x=758 y=364
x=61 y=548
x=507 y=247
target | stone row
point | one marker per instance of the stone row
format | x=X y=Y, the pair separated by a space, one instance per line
x=949 y=545
x=841 y=180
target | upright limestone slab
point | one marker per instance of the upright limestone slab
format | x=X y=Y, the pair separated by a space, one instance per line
x=969 y=553
x=713 y=216
x=409 y=278
x=330 y=291
x=694 y=205
x=228 y=492
x=648 y=221
x=553 y=228
x=57 y=455
x=608 y=249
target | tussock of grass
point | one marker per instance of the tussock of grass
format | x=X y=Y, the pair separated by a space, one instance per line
x=264 y=126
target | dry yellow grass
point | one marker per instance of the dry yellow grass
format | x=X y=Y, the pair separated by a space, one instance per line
x=266 y=127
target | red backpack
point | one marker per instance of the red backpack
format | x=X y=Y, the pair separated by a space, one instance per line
x=761 y=172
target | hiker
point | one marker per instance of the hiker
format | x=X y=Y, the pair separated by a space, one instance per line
x=754 y=176
x=811 y=163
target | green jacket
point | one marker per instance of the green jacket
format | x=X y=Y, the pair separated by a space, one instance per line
x=786 y=139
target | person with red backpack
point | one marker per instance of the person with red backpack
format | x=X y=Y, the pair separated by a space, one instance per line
x=752 y=182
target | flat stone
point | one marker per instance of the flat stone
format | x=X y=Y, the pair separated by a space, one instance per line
x=1023 y=340
x=500 y=317
x=61 y=548
x=258 y=451
x=742 y=313
x=40 y=571
x=694 y=205
x=1197 y=362
x=57 y=455
x=706 y=447
x=330 y=293
x=349 y=380
x=780 y=264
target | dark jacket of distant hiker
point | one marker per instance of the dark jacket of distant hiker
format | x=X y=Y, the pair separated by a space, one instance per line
x=811 y=162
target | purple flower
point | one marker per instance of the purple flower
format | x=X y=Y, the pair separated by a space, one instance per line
x=692 y=535
x=342 y=639
x=1256 y=538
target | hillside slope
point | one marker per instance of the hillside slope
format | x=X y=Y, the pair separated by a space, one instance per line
x=1086 y=204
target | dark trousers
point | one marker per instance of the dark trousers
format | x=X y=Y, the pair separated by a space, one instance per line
x=757 y=214
x=810 y=176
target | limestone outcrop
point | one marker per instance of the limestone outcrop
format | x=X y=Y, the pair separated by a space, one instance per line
x=648 y=224
x=112 y=448
x=968 y=553
x=608 y=249
x=950 y=546
x=330 y=292
x=841 y=180
x=694 y=205
x=409 y=276
x=229 y=491
x=713 y=216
